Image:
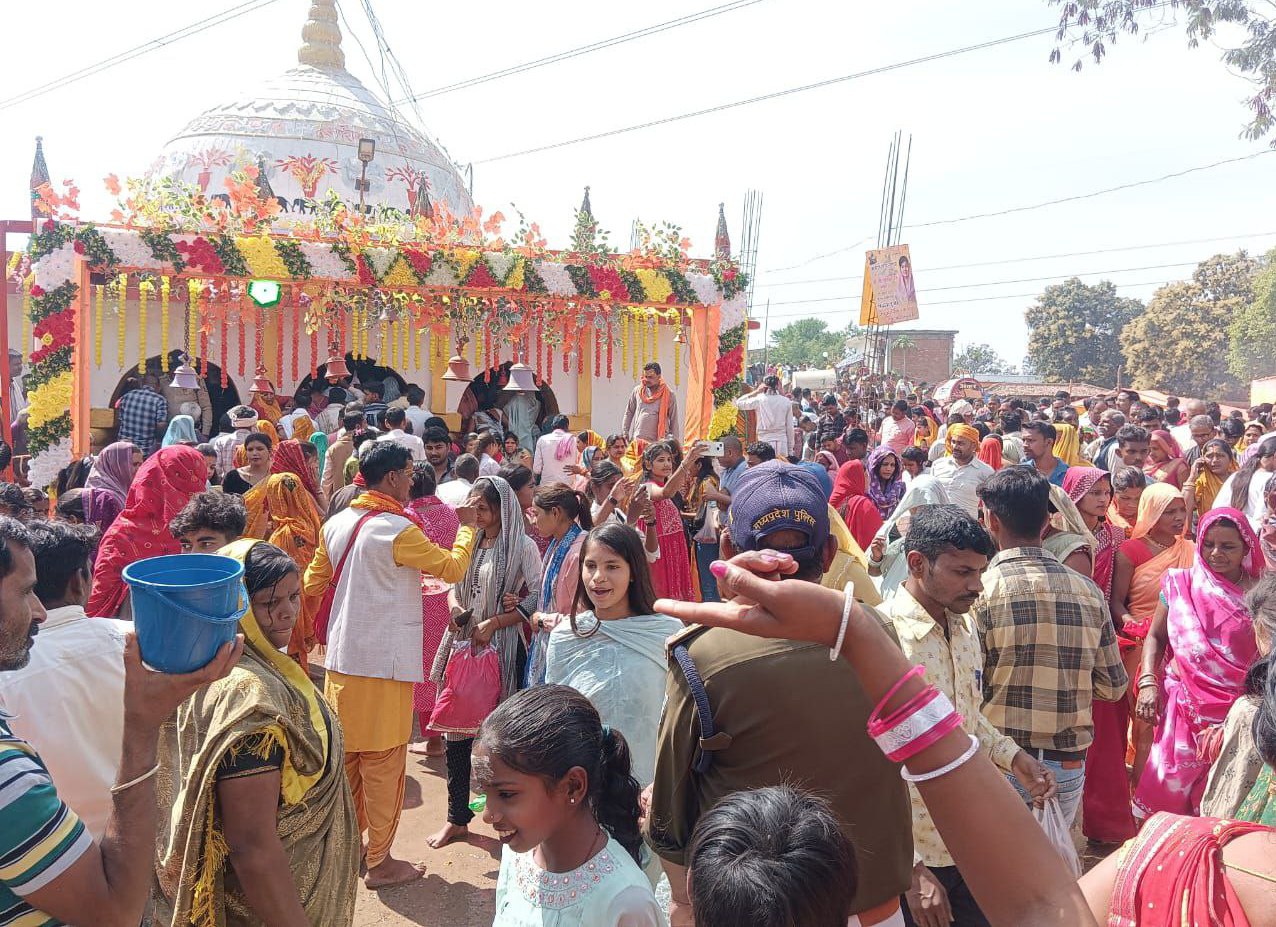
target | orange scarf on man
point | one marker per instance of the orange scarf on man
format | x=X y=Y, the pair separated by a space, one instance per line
x=662 y=393
x=375 y=501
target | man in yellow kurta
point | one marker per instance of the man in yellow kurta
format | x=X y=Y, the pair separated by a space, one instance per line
x=374 y=639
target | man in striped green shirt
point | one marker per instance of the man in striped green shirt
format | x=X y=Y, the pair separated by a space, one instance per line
x=51 y=870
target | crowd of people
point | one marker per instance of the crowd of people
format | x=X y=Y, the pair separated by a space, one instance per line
x=1038 y=612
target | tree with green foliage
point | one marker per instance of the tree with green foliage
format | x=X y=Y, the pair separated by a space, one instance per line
x=1074 y=331
x=806 y=341
x=1094 y=25
x=975 y=359
x=1252 y=334
x=1180 y=343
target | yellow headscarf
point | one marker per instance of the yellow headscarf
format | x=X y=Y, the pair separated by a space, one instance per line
x=295 y=784
x=1152 y=505
x=969 y=432
x=1067 y=445
x=302 y=428
x=849 y=563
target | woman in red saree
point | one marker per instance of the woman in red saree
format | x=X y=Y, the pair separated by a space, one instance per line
x=1156 y=546
x=1187 y=872
x=850 y=499
x=1165 y=460
x=671 y=574
x=163 y=485
x=990 y=451
x=1199 y=648
x=1105 y=802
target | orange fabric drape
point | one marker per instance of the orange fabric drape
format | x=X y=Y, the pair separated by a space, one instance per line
x=704 y=363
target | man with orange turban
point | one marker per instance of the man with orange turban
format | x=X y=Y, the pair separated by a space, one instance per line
x=961 y=472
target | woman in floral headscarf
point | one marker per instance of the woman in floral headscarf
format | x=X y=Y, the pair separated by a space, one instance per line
x=107 y=485
x=1202 y=637
x=288 y=457
x=885 y=480
x=162 y=487
x=294 y=524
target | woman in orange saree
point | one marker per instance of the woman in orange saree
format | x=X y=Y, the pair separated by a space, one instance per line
x=1156 y=545
x=294 y=524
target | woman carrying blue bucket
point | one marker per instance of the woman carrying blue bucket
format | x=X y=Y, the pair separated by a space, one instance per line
x=255 y=759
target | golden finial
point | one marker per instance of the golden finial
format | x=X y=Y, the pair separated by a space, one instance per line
x=321 y=37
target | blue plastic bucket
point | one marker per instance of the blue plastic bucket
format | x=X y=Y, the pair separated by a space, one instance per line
x=185 y=607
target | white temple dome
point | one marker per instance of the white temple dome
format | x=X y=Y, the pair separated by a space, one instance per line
x=304 y=127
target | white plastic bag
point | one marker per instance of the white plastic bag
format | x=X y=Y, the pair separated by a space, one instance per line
x=1052 y=822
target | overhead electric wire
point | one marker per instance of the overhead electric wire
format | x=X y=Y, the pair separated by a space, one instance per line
x=967 y=286
x=234 y=12
x=581 y=50
x=947 y=302
x=1020 y=260
x=1085 y=196
x=881 y=69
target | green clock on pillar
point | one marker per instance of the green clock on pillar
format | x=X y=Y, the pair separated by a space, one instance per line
x=265 y=293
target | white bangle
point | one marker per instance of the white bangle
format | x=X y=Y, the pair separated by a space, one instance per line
x=836 y=650
x=116 y=789
x=943 y=770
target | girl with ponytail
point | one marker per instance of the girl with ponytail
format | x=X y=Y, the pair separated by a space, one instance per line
x=561 y=514
x=565 y=807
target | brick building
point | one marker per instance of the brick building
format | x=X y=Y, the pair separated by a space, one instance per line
x=929 y=359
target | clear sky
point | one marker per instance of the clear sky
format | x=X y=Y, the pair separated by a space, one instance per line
x=992 y=129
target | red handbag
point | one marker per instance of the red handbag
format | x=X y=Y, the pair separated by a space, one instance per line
x=324 y=612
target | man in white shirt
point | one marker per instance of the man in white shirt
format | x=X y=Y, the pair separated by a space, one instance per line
x=417 y=414
x=555 y=452
x=1183 y=433
x=456 y=490
x=68 y=701
x=395 y=419
x=962 y=472
x=774 y=413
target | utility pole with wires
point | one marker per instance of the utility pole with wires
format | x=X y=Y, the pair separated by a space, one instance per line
x=890 y=227
x=748 y=258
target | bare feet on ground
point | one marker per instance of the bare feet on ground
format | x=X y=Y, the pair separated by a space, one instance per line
x=391 y=871
x=449 y=834
x=430 y=747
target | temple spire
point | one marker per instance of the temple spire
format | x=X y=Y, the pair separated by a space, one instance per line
x=321 y=37
x=722 y=240
x=585 y=234
x=39 y=174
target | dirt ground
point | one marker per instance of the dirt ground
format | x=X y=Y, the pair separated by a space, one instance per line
x=459 y=888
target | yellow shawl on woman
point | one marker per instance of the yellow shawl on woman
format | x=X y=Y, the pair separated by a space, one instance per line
x=267 y=700
x=1207 y=487
x=1067 y=445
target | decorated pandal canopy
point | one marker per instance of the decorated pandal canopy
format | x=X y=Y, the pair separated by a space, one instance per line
x=348 y=283
x=270 y=211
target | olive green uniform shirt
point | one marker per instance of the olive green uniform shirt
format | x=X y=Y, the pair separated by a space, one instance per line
x=794 y=717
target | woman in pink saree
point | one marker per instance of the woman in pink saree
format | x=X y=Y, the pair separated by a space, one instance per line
x=1202 y=636
x=1156 y=546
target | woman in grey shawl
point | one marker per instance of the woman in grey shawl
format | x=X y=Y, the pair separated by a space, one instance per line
x=495 y=597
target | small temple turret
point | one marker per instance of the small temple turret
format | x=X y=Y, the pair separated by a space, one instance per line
x=39 y=174
x=721 y=239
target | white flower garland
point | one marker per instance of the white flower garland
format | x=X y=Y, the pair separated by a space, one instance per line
x=44 y=467
x=557 y=280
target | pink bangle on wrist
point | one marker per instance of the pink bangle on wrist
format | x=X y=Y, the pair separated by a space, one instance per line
x=925 y=725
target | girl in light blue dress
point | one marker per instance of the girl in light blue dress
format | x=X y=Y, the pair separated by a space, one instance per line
x=561 y=798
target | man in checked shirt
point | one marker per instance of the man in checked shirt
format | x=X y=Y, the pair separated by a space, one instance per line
x=1049 y=643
